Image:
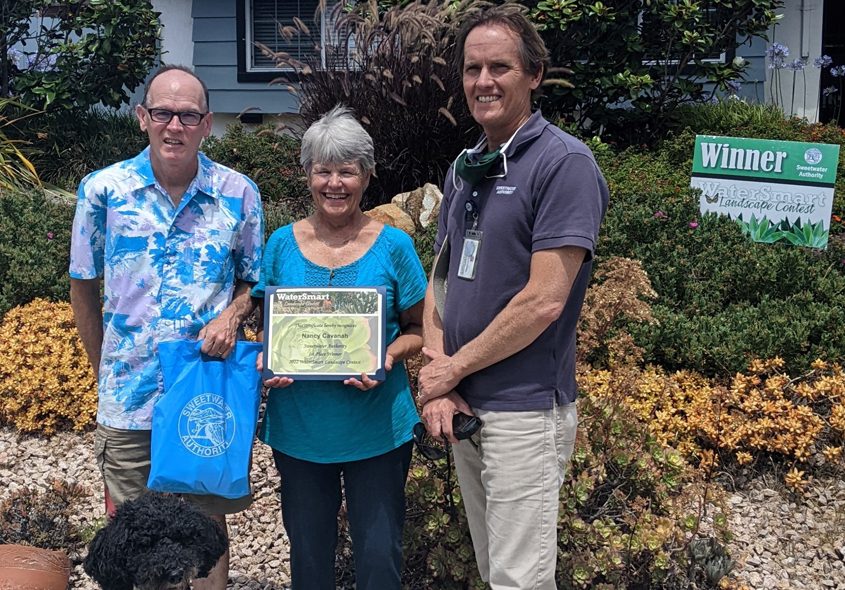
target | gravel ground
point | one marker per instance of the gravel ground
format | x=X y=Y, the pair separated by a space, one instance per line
x=779 y=542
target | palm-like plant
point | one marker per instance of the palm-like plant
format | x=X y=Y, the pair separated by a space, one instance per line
x=16 y=170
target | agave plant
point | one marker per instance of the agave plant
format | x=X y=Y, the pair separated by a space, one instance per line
x=811 y=235
x=762 y=230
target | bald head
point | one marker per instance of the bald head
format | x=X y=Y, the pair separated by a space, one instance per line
x=167 y=76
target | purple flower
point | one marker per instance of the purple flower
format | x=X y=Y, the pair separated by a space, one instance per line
x=777 y=50
x=836 y=72
x=14 y=56
x=693 y=224
x=777 y=54
x=796 y=65
x=829 y=90
x=41 y=63
x=733 y=86
x=825 y=61
x=660 y=215
x=50 y=235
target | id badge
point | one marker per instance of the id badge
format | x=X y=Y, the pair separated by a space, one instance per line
x=469 y=254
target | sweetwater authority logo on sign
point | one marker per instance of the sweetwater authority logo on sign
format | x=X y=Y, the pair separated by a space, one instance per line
x=813 y=156
x=206 y=425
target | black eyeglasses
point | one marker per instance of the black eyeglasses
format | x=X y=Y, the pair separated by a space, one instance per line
x=187 y=118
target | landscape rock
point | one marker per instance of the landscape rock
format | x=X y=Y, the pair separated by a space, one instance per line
x=390 y=214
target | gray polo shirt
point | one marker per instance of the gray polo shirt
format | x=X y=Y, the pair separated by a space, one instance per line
x=553 y=195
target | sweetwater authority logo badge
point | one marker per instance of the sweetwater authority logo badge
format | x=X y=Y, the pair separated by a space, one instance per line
x=813 y=156
x=206 y=425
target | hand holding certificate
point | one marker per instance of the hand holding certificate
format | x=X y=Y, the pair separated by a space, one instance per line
x=328 y=333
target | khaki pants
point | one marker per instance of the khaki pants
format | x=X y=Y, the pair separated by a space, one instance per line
x=510 y=481
x=123 y=457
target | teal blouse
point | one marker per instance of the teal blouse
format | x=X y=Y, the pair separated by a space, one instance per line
x=327 y=421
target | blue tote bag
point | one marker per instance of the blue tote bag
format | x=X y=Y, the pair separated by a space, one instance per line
x=204 y=423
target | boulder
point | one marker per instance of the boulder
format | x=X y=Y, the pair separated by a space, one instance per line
x=422 y=204
x=390 y=214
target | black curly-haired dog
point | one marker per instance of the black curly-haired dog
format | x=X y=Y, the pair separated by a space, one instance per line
x=156 y=542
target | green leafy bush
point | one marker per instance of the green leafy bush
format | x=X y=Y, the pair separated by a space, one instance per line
x=271 y=160
x=633 y=63
x=722 y=299
x=424 y=245
x=34 y=247
x=65 y=148
x=631 y=509
x=89 y=52
x=436 y=548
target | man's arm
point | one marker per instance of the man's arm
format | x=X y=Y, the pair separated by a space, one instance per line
x=221 y=333
x=432 y=325
x=88 y=314
x=521 y=321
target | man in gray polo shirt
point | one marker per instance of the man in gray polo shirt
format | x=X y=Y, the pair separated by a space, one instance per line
x=521 y=212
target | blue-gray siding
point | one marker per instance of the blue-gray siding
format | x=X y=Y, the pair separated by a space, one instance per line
x=216 y=62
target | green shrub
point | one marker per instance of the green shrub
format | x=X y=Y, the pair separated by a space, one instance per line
x=271 y=160
x=634 y=63
x=722 y=299
x=424 y=245
x=67 y=147
x=42 y=519
x=631 y=508
x=436 y=548
x=34 y=247
x=92 y=51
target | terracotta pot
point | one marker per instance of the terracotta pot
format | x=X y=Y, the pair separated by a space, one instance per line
x=31 y=568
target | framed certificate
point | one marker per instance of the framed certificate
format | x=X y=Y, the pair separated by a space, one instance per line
x=328 y=333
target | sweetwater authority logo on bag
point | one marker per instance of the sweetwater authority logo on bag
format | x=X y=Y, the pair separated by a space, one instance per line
x=206 y=425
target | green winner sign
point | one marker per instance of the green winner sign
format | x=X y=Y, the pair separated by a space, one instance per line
x=777 y=190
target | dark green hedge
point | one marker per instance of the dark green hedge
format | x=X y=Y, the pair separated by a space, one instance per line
x=270 y=159
x=34 y=248
x=722 y=298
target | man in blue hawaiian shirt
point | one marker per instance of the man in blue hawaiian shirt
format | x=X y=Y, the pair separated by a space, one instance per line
x=175 y=240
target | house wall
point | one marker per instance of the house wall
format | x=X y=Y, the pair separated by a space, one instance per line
x=753 y=87
x=177 y=44
x=215 y=61
x=800 y=29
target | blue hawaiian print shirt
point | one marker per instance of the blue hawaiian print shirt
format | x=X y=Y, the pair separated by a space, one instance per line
x=167 y=270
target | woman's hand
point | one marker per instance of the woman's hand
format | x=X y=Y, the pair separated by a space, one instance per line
x=365 y=383
x=273 y=382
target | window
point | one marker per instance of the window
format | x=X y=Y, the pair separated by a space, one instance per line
x=259 y=22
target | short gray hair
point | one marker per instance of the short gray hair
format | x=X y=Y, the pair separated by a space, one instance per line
x=337 y=137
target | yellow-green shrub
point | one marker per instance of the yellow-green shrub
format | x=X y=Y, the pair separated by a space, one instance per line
x=763 y=412
x=46 y=382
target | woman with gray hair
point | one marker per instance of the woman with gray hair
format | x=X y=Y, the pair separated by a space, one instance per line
x=359 y=430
